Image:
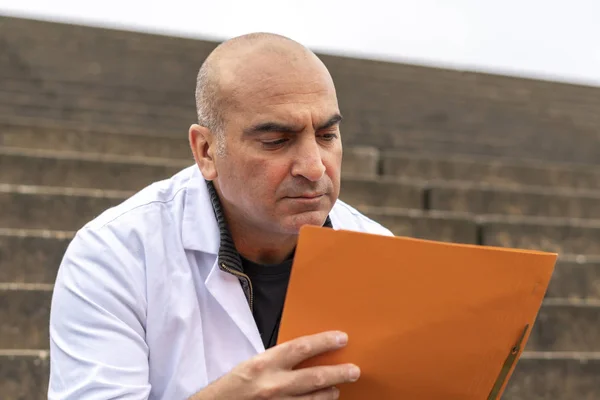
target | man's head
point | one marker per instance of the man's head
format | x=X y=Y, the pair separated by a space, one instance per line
x=268 y=133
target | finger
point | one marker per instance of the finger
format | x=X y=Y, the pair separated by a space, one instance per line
x=289 y=354
x=308 y=380
x=331 y=393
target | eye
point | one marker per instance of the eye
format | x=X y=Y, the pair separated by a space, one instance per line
x=274 y=143
x=328 y=137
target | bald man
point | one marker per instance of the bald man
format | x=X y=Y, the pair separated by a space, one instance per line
x=177 y=293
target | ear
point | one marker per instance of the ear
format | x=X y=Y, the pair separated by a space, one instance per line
x=203 y=144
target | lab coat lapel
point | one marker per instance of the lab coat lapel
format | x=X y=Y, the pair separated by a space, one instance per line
x=227 y=290
x=200 y=232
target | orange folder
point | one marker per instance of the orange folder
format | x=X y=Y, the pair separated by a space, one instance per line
x=426 y=320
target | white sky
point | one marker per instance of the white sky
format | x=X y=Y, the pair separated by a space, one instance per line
x=539 y=38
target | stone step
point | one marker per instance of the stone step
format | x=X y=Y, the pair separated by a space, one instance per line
x=489 y=170
x=105 y=91
x=24 y=315
x=475 y=198
x=152 y=122
x=40 y=124
x=24 y=374
x=94 y=62
x=33 y=256
x=561 y=235
x=126 y=72
x=566 y=325
x=98 y=171
x=555 y=376
x=97 y=142
x=497 y=199
x=538 y=376
x=477 y=148
x=71 y=36
x=60 y=101
x=562 y=324
x=576 y=277
x=98 y=126
x=35 y=207
x=119 y=44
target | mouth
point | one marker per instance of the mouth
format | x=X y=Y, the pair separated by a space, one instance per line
x=308 y=196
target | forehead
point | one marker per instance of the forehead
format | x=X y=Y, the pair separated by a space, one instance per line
x=291 y=89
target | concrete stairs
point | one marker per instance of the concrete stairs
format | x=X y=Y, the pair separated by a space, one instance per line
x=52 y=181
x=144 y=82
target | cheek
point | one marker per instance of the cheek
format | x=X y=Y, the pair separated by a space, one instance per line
x=333 y=164
x=266 y=175
x=273 y=171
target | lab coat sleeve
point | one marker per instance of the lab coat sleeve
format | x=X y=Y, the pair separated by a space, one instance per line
x=97 y=320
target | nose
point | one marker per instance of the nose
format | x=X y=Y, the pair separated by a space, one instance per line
x=308 y=160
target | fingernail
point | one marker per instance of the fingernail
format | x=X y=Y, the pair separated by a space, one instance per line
x=353 y=373
x=342 y=338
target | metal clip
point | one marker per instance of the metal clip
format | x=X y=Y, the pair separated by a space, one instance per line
x=507 y=366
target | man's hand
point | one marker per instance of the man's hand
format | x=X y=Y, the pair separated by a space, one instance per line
x=271 y=375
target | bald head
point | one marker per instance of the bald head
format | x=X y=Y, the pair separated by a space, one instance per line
x=239 y=69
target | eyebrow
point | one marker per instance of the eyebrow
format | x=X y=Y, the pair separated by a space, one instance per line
x=334 y=120
x=270 y=126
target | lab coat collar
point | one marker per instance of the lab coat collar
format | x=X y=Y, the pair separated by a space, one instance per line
x=200 y=231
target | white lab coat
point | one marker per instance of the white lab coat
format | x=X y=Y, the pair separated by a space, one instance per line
x=141 y=310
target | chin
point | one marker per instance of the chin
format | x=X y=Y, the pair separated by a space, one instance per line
x=293 y=223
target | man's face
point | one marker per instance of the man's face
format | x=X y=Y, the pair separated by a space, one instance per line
x=283 y=150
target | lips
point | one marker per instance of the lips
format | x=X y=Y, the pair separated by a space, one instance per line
x=308 y=196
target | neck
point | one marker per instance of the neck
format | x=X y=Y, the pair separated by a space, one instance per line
x=260 y=248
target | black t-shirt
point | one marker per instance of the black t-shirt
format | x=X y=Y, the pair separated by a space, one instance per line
x=269 y=286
